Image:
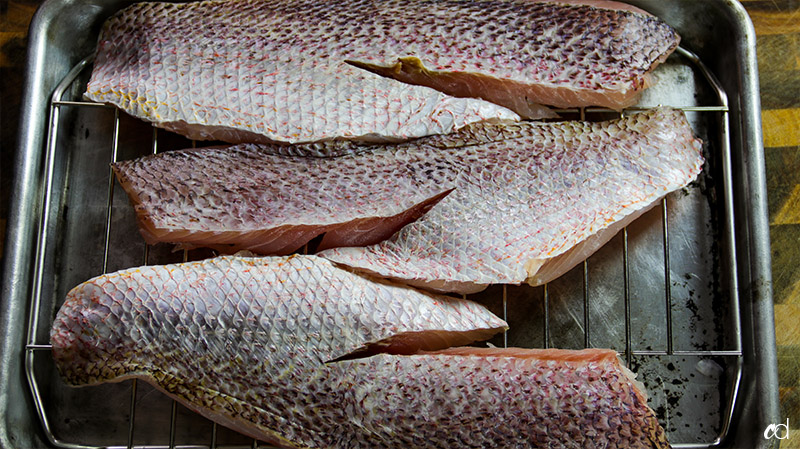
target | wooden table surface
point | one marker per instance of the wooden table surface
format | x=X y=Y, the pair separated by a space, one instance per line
x=777 y=24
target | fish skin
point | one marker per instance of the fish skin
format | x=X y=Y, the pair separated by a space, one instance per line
x=535 y=200
x=309 y=307
x=254 y=71
x=257 y=71
x=524 y=398
x=261 y=363
x=247 y=197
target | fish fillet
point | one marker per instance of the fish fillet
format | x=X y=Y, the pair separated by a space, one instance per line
x=560 y=53
x=534 y=199
x=247 y=197
x=260 y=71
x=257 y=345
x=306 y=305
x=491 y=203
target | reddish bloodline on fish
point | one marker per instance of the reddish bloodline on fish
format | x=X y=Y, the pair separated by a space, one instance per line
x=298 y=353
x=301 y=71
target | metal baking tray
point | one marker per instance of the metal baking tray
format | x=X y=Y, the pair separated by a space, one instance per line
x=684 y=293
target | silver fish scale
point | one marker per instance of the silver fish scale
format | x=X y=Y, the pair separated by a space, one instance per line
x=248 y=70
x=251 y=315
x=534 y=196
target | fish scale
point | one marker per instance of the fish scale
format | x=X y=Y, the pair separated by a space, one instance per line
x=551 y=196
x=274 y=381
x=225 y=78
x=564 y=54
x=256 y=71
x=241 y=197
x=307 y=305
x=506 y=202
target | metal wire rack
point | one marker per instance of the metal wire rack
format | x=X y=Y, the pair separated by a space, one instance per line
x=45 y=300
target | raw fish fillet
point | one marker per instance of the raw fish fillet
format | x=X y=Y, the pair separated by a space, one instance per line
x=493 y=203
x=248 y=198
x=301 y=71
x=525 y=54
x=533 y=199
x=303 y=305
x=264 y=346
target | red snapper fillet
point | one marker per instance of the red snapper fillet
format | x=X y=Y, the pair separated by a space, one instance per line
x=249 y=197
x=534 y=199
x=266 y=347
x=491 y=203
x=301 y=71
x=307 y=306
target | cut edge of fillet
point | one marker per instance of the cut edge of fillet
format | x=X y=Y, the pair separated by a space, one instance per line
x=542 y=271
